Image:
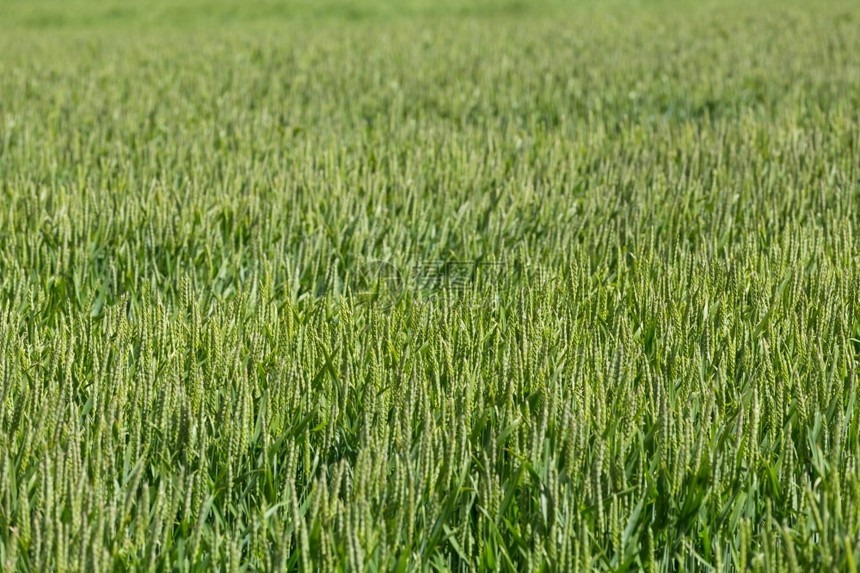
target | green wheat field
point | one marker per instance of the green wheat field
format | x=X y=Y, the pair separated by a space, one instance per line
x=417 y=285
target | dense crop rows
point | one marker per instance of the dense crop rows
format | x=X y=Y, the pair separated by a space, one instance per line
x=656 y=370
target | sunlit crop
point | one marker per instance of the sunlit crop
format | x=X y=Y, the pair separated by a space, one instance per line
x=414 y=285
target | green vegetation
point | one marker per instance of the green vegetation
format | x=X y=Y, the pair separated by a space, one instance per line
x=194 y=377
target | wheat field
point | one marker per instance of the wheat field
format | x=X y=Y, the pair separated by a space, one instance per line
x=406 y=285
